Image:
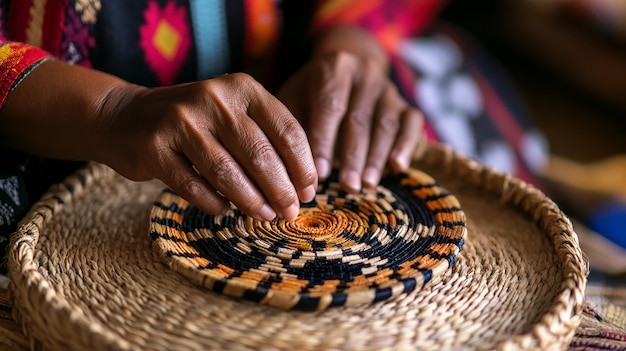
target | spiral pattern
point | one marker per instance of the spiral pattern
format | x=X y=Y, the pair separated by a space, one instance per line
x=342 y=249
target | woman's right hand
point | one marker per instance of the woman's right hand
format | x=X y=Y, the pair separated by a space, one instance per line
x=214 y=141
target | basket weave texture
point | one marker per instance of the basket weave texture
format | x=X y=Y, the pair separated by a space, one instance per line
x=84 y=276
x=343 y=249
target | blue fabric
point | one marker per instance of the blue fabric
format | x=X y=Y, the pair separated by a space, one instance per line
x=208 y=18
x=610 y=222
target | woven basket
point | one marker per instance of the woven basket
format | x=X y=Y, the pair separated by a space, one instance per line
x=85 y=277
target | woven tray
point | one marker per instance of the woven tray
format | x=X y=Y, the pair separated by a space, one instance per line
x=84 y=276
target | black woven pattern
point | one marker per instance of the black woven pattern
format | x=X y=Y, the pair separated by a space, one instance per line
x=343 y=249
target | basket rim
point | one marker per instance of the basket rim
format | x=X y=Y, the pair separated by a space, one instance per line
x=29 y=287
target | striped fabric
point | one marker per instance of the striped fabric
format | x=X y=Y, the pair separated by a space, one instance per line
x=37 y=22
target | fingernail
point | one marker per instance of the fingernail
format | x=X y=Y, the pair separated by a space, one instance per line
x=290 y=212
x=265 y=214
x=308 y=194
x=371 y=176
x=323 y=167
x=402 y=159
x=351 y=180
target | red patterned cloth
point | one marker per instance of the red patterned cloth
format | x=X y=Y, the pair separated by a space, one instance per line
x=156 y=42
x=16 y=61
x=388 y=21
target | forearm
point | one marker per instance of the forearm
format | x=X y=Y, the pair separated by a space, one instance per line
x=57 y=111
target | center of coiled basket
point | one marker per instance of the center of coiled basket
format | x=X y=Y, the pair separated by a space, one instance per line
x=342 y=249
x=320 y=223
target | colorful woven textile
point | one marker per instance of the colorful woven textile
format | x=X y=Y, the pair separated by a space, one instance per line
x=16 y=61
x=601 y=331
x=343 y=249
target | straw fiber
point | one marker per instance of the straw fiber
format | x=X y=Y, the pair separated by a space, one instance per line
x=84 y=275
x=343 y=249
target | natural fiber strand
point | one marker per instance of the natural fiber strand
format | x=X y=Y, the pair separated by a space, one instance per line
x=11 y=335
x=91 y=281
x=343 y=249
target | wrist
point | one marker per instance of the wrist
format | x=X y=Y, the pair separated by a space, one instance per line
x=347 y=38
x=57 y=111
x=114 y=112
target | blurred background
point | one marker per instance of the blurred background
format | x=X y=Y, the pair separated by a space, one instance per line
x=567 y=60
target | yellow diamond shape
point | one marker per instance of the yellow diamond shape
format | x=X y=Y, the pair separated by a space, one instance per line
x=166 y=39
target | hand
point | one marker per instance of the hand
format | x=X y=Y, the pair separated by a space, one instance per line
x=215 y=141
x=345 y=101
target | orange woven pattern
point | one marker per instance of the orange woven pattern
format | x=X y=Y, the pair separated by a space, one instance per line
x=343 y=249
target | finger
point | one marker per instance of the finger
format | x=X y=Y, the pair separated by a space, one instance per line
x=226 y=176
x=357 y=126
x=384 y=132
x=186 y=182
x=262 y=164
x=410 y=131
x=281 y=157
x=330 y=93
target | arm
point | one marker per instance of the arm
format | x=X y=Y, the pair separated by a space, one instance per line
x=214 y=141
x=55 y=109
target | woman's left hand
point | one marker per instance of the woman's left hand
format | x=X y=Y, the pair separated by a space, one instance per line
x=350 y=109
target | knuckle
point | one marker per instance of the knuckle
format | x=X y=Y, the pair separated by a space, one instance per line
x=284 y=197
x=337 y=63
x=190 y=186
x=415 y=116
x=377 y=159
x=284 y=200
x=310 y=176
x=173 y=112
x=292 y=134
x=371 y=65
x=227 y=87
x=177 y=119
x=361 y=117
x=391 y=91
x=342 y=58
x=223 y=172
x=331 y=105
x=414 y=113
x=239 y=77
x=243 y=80
x=388 y=123
x=262 y=155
